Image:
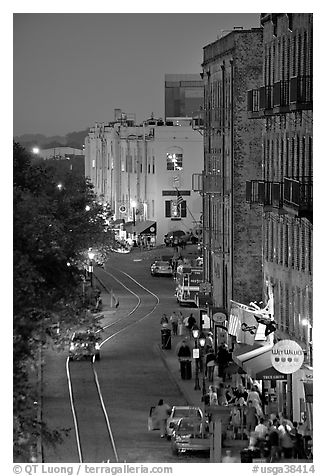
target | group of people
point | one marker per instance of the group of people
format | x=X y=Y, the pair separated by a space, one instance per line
x=277 y=437
x=176 y=320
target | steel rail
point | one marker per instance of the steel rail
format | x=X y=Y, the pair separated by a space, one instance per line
x=96 y=379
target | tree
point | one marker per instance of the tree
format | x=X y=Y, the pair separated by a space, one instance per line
x=52 y=231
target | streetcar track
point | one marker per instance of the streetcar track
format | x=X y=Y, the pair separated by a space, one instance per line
x=126 y=324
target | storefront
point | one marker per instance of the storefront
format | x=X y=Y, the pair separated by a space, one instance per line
x=302 y=385
x=142 y=232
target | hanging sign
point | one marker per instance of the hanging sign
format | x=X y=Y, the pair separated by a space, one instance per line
x=287 y=356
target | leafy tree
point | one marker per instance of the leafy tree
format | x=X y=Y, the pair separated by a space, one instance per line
x=52 y=230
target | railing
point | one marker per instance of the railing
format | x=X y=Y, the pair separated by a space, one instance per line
x=296 y=91
x=264 y=193
x=298 y=193
x=281 y=93
x=301 y=89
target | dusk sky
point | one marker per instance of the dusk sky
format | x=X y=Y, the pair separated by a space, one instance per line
x=71 y=70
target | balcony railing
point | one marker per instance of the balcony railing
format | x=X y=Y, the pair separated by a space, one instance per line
x=262 y=192
x=298 y=194
x=281 y=94
x=301 y=89
x=206 y=183
x=291 y=94
x=289 y=196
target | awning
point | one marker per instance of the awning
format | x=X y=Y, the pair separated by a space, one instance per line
x=253 y=358
x=270 y=374
x=145 y=227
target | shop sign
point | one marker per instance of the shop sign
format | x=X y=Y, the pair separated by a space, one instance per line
x=287 y=356
x=195 y=353
x=219 y=318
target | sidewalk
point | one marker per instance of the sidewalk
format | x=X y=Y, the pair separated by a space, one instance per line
x=194 y=397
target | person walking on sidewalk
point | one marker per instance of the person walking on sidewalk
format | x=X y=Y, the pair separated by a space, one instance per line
x=174 y=323
x=184 y=354
x=162 y=413
x=190 y=323
x=210 y=364
x=164 y=321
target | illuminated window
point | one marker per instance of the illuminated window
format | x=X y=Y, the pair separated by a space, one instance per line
x=174 y=161
x=173 y=210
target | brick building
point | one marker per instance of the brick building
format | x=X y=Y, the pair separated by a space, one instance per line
x=232 y=155
x=283 y=105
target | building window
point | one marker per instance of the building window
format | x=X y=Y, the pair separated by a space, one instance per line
x=153 y=165
x=174 y=161
x=173 y=210
x=93 y=164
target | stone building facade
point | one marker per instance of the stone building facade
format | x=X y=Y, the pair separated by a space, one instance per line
x=232 y=232
x=139 y=169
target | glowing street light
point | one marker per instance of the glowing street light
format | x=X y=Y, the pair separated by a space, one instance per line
x=195 y=334
x=91 y=255
x=36 y=150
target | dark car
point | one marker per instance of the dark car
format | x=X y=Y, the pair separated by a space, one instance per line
x=190 y=434
x=84 y=345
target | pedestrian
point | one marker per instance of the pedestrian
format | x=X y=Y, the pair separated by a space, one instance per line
x=174 y=323
x=209 y=341
x=184 y=354
x=190 y=323
x=210 y=364
x=298 y=448
x=235 y=419
x=251 y=417
x=212 y=395
x=162 y=413
x=261 y=431
x=286 y=440
x=164 y=321
x=274 y=442
x=180 y=324
x=223 y=359
x=221 y=395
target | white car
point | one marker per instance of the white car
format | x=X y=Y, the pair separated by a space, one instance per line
x=84 y=345
x=179 y=412
x=161 y=268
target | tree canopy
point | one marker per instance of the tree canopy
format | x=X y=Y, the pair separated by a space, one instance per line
x=53 y=229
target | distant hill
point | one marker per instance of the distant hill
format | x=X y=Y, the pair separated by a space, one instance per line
x=72 y=139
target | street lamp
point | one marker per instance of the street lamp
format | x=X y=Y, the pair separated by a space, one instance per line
x=202 y=342
x=195 y=334
x=91 y=255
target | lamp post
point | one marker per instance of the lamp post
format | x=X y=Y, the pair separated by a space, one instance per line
x=202 y=342
x=195 y=334
x=91 y=255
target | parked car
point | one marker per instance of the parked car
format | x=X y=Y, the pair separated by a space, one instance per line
x=190 y=434
x=178 y=412
x=83 y=345
x=161 y=268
